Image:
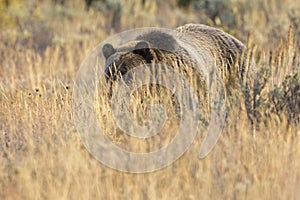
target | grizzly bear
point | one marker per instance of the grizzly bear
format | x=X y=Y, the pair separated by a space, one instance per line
x=214 y=45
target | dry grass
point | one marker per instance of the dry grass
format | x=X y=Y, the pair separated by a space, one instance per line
x=42 y=156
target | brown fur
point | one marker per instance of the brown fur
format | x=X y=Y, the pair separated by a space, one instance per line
x=223 y=47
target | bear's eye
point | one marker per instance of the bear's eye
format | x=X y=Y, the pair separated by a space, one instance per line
x=108 y=50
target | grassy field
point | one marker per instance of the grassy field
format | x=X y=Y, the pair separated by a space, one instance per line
x=42 y=46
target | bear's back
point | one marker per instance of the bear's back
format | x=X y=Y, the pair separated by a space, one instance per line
x=221 y=45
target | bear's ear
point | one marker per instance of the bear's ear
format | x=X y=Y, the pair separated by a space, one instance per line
x=143 y=49
x=141 y=45
x=159 y=40
x=108 y=50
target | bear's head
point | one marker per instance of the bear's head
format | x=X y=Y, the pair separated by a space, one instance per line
x=152 y=47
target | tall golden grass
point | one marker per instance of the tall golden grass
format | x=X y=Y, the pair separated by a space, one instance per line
x=42 y=157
